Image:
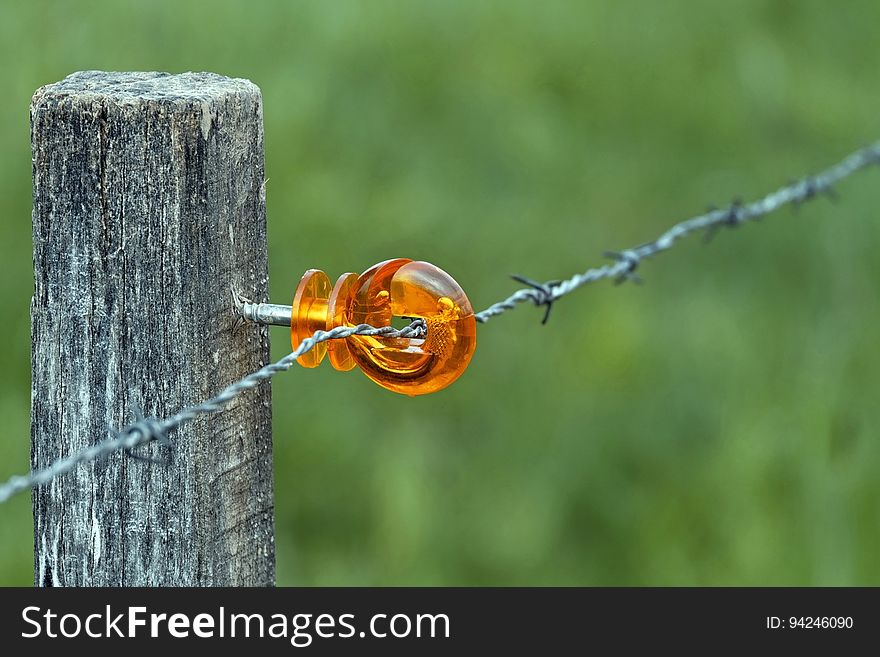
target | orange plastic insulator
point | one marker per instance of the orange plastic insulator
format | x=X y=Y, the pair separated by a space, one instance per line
x=340 y=356
x=309 y=314
x=394 y=288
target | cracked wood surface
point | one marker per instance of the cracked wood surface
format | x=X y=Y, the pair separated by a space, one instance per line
x=148 y=207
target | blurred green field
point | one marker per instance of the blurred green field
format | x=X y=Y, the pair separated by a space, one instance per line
x=717 y=425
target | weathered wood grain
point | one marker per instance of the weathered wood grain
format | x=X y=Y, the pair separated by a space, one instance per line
x=148 y=207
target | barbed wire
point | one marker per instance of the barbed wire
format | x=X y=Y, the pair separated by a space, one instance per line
x=145 y=430
x=625 y=262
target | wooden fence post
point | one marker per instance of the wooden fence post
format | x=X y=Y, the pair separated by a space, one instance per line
x=148 y=208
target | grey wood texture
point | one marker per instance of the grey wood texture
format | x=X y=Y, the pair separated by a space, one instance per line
x=148 y=206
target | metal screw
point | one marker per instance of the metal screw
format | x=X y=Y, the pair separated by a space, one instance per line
x=262 y=313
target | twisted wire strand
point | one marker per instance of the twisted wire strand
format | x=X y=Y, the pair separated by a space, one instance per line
x=626 y=261
x=145 y=430
x=623 y=268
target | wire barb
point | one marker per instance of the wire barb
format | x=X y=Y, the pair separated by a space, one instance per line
x=630 y=261
x=542 y=293
x=152 y=427
x=144 y=430
x=731 y=218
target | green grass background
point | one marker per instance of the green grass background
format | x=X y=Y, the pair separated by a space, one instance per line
x=717 y=425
